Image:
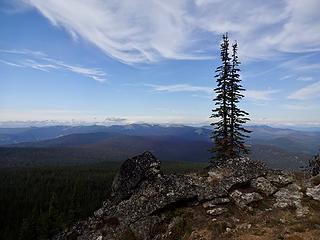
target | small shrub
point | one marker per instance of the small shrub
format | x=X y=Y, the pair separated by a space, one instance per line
x=314 y=165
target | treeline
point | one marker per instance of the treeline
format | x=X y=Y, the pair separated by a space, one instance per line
x=39 y=157
x=36 y=203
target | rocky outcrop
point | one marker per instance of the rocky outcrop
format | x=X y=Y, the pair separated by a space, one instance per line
x=144 y=200
x=134 y=171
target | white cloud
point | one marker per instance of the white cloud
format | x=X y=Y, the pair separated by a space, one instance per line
x=260 y=95
x=307 y=92
x=256 y=95
x=93 y=73
x=301 y=107
x=308 y=66
x=180 y=88
x=44 y=63
x=23 y=52
x=148 y=30
x=305 y=78
x=10 y=63
x=39 y=66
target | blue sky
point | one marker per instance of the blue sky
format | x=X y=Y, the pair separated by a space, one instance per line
x=153 y=61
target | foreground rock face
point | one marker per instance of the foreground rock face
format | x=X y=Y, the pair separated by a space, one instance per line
x=132 y=172
x=147 y=204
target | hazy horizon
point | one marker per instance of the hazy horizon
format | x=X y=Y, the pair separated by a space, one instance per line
x=52 y=123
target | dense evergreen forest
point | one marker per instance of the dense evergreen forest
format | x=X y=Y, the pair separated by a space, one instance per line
x=37 y=202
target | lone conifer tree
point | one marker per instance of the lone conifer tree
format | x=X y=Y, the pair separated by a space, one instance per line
x=220 y=133
x=228 y=133
x=238 y=117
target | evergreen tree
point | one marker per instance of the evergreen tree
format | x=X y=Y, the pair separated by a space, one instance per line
x=220 y=133
x=228 y=132
x=238 y=117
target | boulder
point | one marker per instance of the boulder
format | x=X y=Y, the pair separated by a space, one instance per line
x=263 y=186
x=314 y=192
x=237 y=172
x=291 y=196
x=243 y=199
x=279 y=178
x=133 y=172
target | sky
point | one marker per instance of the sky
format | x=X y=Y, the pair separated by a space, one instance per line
x=120 y=61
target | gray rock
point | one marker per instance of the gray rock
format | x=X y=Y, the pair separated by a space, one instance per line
x=239 y=172
x=243 y=199
x=314 y=192
x=263 y=186
x=279 y=178
x=217 y=211
x=291 y=196
x=142 y=228
x=134 y=171
x=165 y=190
x=288 y=196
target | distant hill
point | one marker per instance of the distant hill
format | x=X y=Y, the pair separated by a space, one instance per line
x=287 y=138
x=34 y=134
x=279 y=148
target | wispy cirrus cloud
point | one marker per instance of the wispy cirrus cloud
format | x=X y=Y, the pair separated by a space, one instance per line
x=305 y=78
x=42 y=62
x=38 y=66
x=10 y=63
x=93 y=73
x=256 y=95
x=146 y=31
x=179 y=88
x=23 y=52
x=260 y=95
x=308 y=92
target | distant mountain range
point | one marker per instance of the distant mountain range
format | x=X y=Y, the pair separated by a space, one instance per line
x=280 y=148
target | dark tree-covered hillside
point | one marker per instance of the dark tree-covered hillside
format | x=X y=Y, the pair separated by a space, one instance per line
x=38 y=202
